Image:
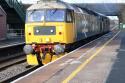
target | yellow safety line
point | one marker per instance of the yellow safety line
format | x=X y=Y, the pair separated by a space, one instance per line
x=73 y=74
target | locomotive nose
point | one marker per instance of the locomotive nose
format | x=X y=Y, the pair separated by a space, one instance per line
x=28 y=49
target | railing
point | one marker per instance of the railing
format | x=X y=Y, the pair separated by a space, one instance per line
x=15 y=33
x=18 y=7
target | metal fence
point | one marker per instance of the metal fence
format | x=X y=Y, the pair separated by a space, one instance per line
x=15 y=33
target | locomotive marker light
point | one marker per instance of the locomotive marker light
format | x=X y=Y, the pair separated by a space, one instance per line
x=60 y=33
x=29 y=33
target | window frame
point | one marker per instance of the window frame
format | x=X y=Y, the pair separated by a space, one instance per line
x=71 y=13
x=34 y=21
x=56 y=21
x=45 y=11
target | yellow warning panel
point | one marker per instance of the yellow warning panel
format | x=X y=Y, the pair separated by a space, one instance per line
x=32 y=59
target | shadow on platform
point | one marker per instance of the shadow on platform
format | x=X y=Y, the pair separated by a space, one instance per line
x=117 y=73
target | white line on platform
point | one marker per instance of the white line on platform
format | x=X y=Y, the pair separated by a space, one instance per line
x=66 y=62
x=88 y=51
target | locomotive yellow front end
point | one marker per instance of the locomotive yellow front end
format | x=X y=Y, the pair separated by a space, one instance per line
x=47 y=32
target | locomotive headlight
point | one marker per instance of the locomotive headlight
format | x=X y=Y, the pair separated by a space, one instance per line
x=51 y=31
x=37 y=31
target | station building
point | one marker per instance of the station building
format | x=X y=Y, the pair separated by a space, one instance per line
x=3 y=24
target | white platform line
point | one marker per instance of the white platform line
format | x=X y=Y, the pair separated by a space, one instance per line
x=88 y=51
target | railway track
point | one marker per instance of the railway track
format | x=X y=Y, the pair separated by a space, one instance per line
x=11 y=62
x=9 y=55
x=14 y=68
x=10 y=58
x=28 y=70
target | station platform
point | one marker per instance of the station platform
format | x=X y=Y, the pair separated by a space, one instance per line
x=100 y=61
x=11 y=42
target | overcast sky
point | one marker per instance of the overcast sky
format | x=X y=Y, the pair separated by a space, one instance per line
x=81 y=1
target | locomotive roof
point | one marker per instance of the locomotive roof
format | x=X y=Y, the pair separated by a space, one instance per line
x=55 y=5
x=61 y=5
x=50 y=5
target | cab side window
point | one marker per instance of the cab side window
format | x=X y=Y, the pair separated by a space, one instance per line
x=69 y=16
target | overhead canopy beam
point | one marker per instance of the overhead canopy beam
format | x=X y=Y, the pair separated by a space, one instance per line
x=109 y=9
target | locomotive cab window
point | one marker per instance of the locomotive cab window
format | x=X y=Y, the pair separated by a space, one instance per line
x=69 y=16
x=55 y=15
x=35 y=16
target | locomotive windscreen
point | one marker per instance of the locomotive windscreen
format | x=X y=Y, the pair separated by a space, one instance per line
x=49 y=15
x=55 y=15
x=35 y=16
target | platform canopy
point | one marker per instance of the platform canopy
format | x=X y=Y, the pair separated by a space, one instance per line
x=109 y=9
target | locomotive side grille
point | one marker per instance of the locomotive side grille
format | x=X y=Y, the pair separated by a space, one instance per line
x=44 y=30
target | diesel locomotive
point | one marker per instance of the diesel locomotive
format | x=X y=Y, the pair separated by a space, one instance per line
x=53 y=26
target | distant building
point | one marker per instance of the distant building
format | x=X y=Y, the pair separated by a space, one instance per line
x=3 y=25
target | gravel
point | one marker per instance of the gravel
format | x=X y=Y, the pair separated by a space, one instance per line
x=13 y=71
